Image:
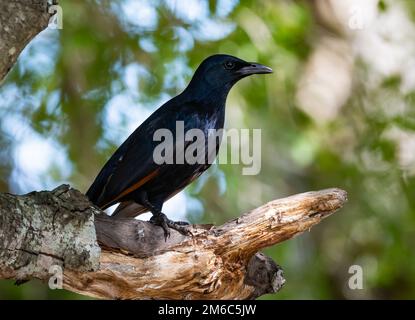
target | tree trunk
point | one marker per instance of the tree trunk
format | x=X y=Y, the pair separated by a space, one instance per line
x=20 y=22
x=128 y=259
x=42 y=230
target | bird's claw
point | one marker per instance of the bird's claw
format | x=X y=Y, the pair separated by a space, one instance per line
x=180 y=226
x=165 y=223
x=161 y=220
x=180 y=223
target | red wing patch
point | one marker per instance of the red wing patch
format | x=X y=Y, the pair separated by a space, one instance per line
x=135 y=186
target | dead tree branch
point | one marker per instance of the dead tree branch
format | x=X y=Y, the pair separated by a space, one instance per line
x=133 y=261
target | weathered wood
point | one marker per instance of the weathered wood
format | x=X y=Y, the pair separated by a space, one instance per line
x=135 y=261
x=60 y=227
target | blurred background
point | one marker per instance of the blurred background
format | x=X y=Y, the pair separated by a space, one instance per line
x=339 y=111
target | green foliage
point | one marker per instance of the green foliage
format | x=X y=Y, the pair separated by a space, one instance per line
x=355 y=151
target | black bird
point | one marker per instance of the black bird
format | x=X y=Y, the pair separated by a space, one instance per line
x=132 y=178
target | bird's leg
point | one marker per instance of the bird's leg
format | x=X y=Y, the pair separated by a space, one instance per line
x=160 y=219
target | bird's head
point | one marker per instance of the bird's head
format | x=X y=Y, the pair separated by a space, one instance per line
x=222 y=71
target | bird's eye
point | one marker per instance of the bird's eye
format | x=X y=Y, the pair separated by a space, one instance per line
x=229 y=65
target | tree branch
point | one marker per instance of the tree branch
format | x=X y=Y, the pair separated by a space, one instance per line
x=20 y=22
x=129 y=259
x=133 y=261
x=42 y=229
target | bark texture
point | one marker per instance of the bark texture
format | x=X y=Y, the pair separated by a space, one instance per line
x=129 y=259
x=133 y=261
x=20 y=22
x=44 y=229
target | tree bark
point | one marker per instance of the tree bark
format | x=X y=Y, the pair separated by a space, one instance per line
x=20 y=22
x=129 y=259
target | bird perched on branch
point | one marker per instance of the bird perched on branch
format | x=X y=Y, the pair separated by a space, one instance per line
x=137 y=180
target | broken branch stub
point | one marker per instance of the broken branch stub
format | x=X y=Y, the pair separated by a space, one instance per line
x=133 y=260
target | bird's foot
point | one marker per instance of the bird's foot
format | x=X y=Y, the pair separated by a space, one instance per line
x=165 y=223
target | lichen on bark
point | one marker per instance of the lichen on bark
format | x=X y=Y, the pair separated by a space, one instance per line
x=43 y=229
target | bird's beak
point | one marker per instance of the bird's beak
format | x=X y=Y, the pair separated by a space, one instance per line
x=254 y=68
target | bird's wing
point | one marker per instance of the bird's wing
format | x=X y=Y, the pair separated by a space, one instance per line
x=97 y=188
x=131 y=162
x=129 y=167
x=132 y=165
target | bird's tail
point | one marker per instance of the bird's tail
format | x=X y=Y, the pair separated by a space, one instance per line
x=128 y=209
